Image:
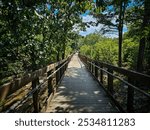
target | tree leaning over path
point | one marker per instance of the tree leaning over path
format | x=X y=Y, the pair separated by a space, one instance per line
x=36 y=33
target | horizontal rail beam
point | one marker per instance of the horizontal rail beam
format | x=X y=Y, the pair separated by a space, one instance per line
x=35 y=89
x=134 y=80
x=9 y=88
x=136 y=88
x=129 y=73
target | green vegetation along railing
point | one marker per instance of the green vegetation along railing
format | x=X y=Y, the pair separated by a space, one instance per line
x=33 y=92
x=134 y=86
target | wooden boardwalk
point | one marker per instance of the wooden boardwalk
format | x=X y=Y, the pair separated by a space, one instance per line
x=79 y=92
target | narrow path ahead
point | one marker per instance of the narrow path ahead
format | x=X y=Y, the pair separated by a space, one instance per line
x=79 y=92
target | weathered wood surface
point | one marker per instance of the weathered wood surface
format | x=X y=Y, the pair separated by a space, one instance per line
x=129 y=73
x=79 y=92
x=37 y=94
x=130 y=85
x=13 y=86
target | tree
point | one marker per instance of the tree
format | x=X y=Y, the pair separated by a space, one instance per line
x=138 y=19
x=113 y=11
x=36 y=33
x=102 y=48
x=144 y=38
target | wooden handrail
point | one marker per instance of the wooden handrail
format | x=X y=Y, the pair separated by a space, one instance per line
x=132 y=78
x=20 y=82
x=51 y=70
x=129 y=73
x=126 y=82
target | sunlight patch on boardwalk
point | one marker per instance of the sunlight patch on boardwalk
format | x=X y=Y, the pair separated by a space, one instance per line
x=79 y=92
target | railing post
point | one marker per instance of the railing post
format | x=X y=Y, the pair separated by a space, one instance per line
x=92 y=67
x=57 y=74
x=63 y=69
x=110 y=81
x=96 y=70
x=101 y=74
x=35 y=96
x=89 y=65
x=50 y=83
x=66 y=65
x=60 y=72
x=130 y=97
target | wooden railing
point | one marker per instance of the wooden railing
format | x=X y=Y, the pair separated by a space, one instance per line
x=52 y=75
x=134 y=81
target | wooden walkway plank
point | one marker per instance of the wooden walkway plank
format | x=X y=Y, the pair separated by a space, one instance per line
x=79 y=92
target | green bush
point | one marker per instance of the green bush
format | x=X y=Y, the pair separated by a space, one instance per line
x=106 y=50
x=130 y=52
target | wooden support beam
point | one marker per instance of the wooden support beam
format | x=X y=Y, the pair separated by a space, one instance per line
x=50 y=83
x=35 y=96
x=110 y=81
x=101 y=74
x=96 y=70
x=130 y=97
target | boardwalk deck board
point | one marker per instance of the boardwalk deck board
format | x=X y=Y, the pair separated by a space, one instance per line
x=79 y=92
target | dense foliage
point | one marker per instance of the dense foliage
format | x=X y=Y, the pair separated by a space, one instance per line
x=34 y=34
x=106 y=49
x=135 y=14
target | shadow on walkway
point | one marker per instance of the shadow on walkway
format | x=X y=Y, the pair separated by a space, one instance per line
x=79 y=92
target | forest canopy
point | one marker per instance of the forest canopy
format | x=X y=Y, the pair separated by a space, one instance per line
x=36 y=33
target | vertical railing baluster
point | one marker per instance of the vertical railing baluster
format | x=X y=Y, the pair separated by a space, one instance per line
x=96 y=70
x=130 y=97
x=110 y=81
x=89 y=65
x=92 y=67
x=50 y=82
x=101 y=74
x=35 y=96
x=57 y=74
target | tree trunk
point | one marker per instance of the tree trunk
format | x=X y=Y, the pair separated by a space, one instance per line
x=120 y=28
x=148 y=56
x=120 y=48
x=141 y=55
x=146 y=22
